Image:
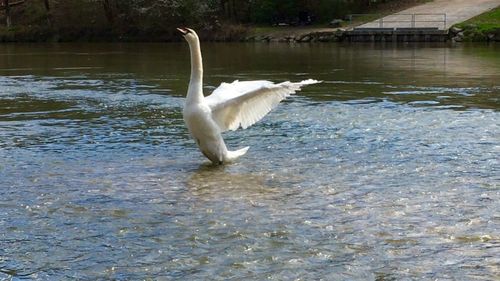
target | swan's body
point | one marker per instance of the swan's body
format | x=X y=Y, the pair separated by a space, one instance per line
x=229 y=107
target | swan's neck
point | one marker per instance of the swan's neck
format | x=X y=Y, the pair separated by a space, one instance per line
x=195 y=89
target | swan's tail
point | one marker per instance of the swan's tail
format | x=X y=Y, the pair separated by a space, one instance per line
x=233 y=155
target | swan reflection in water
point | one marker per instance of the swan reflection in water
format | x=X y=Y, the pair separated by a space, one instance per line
x=222 y=181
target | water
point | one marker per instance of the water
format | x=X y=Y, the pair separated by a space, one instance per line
x=388 y=170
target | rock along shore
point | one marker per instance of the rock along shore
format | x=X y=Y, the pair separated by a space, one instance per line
x=337 y=35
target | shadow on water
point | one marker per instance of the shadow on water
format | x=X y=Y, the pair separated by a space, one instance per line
x=222 y=181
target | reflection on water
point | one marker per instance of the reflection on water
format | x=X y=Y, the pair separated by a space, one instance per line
x=386 y=171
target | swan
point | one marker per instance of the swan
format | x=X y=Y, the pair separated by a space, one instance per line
x=229 y=107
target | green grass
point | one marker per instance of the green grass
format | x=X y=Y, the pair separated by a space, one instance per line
x=280 y=30
x=484 y=23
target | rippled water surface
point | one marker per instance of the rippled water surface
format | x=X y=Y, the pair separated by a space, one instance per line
x=388 y=170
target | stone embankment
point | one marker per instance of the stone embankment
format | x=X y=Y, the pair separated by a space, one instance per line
x=313 y=36
x=454 y=34
x=470 y=33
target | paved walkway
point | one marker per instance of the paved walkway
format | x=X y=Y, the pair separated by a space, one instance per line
x=456 y=11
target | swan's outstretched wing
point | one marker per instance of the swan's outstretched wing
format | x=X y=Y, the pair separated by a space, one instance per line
x=241 y=104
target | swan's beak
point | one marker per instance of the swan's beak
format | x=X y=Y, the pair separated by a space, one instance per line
x=183 y=31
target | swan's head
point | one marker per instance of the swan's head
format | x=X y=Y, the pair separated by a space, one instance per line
x=188 y=34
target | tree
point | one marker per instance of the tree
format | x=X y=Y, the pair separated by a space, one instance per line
x=7 y=13
x=47 y=10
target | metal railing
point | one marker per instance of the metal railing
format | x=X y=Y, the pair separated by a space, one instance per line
x=411 y=19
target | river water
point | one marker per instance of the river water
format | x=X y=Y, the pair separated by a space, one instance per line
x=388 y=170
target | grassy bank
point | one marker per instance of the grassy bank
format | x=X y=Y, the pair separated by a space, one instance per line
x=485 y=27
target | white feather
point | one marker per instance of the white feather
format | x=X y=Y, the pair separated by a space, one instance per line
x=241 y=104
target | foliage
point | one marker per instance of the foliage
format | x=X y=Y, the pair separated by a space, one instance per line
x=157 y=19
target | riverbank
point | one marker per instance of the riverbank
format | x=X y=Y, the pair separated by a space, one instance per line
x=485 y=27
x=72 y=20
x=51 y=34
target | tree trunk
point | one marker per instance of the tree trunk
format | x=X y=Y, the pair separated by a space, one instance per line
x=47 y=10
x=7 y=13
x=108 y=11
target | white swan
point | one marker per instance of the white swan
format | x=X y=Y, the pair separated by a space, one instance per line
x=230 y=106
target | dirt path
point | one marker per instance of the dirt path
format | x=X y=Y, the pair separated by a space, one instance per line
x=456 y=11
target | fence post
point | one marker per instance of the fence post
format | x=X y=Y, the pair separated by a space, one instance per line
x=381 y=23
x=413 y=20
